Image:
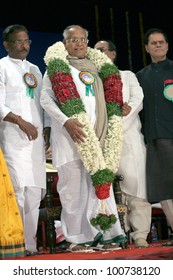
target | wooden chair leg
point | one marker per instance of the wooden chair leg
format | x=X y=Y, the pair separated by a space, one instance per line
x=121 y=208
x=43 y=231
x=118 y=198
x=50 y=228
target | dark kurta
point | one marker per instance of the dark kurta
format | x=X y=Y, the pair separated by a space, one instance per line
x=157 y=125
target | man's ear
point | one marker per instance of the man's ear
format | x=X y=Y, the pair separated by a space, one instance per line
x=146 y=48
x=114 y=55
x=5 y=44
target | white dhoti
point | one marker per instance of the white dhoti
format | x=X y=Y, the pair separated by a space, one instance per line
x=139 y=216
x=28 y=199
x=79 y=205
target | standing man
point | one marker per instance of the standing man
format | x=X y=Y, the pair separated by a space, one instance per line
x=21 y=128
x=133 y=155
x=156 y=80
x=73 y=96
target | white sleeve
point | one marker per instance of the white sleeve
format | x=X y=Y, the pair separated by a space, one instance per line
x=49 y=103
x=4 y=110
x=134 y=98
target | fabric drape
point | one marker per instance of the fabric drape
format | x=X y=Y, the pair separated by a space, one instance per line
x=101 y=114
x=11 y=227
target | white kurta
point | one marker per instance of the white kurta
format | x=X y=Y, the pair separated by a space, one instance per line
x=25 y=159
x=133 y=156
x=60 y=138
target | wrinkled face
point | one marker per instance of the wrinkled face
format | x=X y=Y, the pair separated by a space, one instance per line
x=157 y=46
x=103 y=47
x=18 y=45
x=76 y=44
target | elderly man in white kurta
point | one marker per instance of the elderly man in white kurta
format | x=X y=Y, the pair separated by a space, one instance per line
x=21 y=128
x=74 y=186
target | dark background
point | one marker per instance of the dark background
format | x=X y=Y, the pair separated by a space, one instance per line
x=122 y=21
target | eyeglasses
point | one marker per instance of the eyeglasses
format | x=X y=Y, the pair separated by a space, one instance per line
x=78 y=40
x=21 y=42
x=102 y=49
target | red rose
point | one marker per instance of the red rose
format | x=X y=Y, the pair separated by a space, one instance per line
x=103 y=191
x=63 y=87
x=113 y=89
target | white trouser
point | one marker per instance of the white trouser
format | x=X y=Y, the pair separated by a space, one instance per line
x=28 y=199
x=167 y=206
x=138 y=216
x=80 y=204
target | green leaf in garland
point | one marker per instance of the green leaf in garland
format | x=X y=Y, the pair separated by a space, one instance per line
x=113 y=109
x=105 y=222
x=57 y=65
x=72 y=106
x=107 y=70
x=103 y=176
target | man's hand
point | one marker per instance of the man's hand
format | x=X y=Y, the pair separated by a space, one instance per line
x=126 y=109
x=75 y=129
x=27 y=127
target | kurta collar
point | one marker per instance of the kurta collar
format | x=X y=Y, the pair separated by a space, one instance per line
x=17 y=61
x=160 y=64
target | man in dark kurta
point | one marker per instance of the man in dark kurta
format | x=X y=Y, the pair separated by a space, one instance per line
x=156 y=80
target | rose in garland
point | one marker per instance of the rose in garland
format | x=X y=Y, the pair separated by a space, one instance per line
x=102 y=191
x=102 y=164
x=112 y=83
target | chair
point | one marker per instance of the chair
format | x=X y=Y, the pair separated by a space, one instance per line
x=50 y=210
x=121 y=208
x=118 y=198
x=160 y=222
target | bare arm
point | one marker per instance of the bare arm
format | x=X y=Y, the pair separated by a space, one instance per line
x=26 y=127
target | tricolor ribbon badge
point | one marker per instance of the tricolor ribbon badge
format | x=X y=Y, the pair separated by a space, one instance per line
x=168 y=89
x=88 y=79
x=31 y=82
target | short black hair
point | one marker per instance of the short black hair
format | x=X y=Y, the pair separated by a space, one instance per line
x=152 y=31
x=11 y=29
x=111 y=45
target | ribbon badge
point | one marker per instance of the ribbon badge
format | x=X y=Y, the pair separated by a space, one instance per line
x=88 y=79
x=31 y=82
x=168 y=89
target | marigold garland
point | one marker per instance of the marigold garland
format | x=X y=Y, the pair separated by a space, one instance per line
x=101 y=163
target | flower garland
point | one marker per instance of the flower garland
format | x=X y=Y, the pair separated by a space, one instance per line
x=104 y=221
x=102 y=164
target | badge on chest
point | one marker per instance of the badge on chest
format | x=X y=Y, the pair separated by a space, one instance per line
x=88 y=79
x=168 y=89
x=31 y=82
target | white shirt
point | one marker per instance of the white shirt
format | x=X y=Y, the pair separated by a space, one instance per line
x=25 y=159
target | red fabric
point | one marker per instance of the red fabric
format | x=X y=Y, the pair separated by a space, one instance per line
x=154 y=252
